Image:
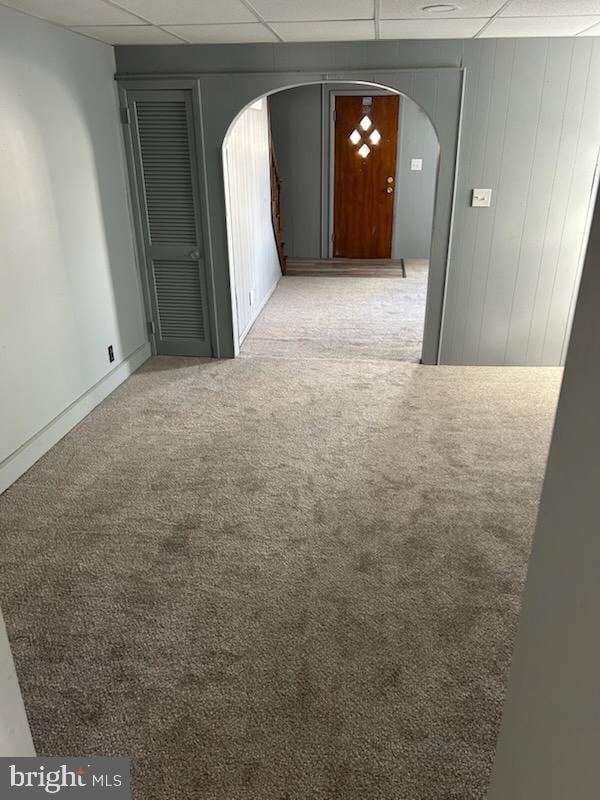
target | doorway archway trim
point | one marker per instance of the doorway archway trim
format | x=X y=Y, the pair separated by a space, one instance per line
x=222 y=97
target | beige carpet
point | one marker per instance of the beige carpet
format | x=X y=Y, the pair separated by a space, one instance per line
x=343 y=317
x=271 y=578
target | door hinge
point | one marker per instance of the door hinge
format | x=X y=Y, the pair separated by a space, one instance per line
x=334 y=115
x=124 y=112
x=150 y=326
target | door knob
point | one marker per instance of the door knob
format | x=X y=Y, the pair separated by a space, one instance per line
x=195 y=254
x=389 y=190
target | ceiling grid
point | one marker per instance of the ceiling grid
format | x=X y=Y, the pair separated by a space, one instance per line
x=242 y=21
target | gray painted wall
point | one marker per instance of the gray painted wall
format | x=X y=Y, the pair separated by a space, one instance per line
x=415 y=191
x=70 y=284
x=296 y=127
x=298 y=130
x=548 y=745
x=530 y=131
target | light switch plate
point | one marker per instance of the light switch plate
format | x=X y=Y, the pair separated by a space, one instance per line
x=416 y=164
x=482 y=198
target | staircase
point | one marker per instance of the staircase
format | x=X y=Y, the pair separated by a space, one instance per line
x=276 y=208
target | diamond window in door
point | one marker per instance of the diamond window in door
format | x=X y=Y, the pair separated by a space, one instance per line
x=365 y=125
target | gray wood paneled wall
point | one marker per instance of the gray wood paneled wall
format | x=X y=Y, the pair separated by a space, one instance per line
x=530 y=131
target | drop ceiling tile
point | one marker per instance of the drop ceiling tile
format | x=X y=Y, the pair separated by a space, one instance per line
x=193 y=12
x=127 y=34
x=74 y=12
x=430 y=28
x=413 y=9
x=309 y=10
x=551 y=8
x=223 y=34
x=537 y=26
x=341 y=30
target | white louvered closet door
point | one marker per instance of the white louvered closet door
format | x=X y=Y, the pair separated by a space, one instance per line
x=169 y=203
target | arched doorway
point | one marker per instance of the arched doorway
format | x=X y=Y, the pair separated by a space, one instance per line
x=216 y=100
x=345 y=145
x=438 y=92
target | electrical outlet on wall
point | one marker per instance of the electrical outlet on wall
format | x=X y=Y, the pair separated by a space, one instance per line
x=251 y=297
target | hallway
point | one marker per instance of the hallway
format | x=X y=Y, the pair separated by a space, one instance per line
x=270 y=578
x=343 y=317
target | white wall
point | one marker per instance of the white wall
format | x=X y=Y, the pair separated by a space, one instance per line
x=69 y=283
x=251 y=240
x=15 y=737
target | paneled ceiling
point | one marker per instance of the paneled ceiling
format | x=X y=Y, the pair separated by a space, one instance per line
x=227 y=21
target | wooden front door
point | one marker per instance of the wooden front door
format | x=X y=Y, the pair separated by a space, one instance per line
x=366 y=134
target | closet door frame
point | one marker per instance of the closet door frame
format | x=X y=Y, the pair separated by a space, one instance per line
x=136 y=211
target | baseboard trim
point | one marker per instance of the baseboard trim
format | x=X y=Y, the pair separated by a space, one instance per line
x=266 y=299
x=28 y=453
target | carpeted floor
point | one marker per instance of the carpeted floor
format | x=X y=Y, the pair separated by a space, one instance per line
x=343 y=317
x=269 y=578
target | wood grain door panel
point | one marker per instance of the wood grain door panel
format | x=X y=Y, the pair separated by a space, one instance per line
x=363 y=206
